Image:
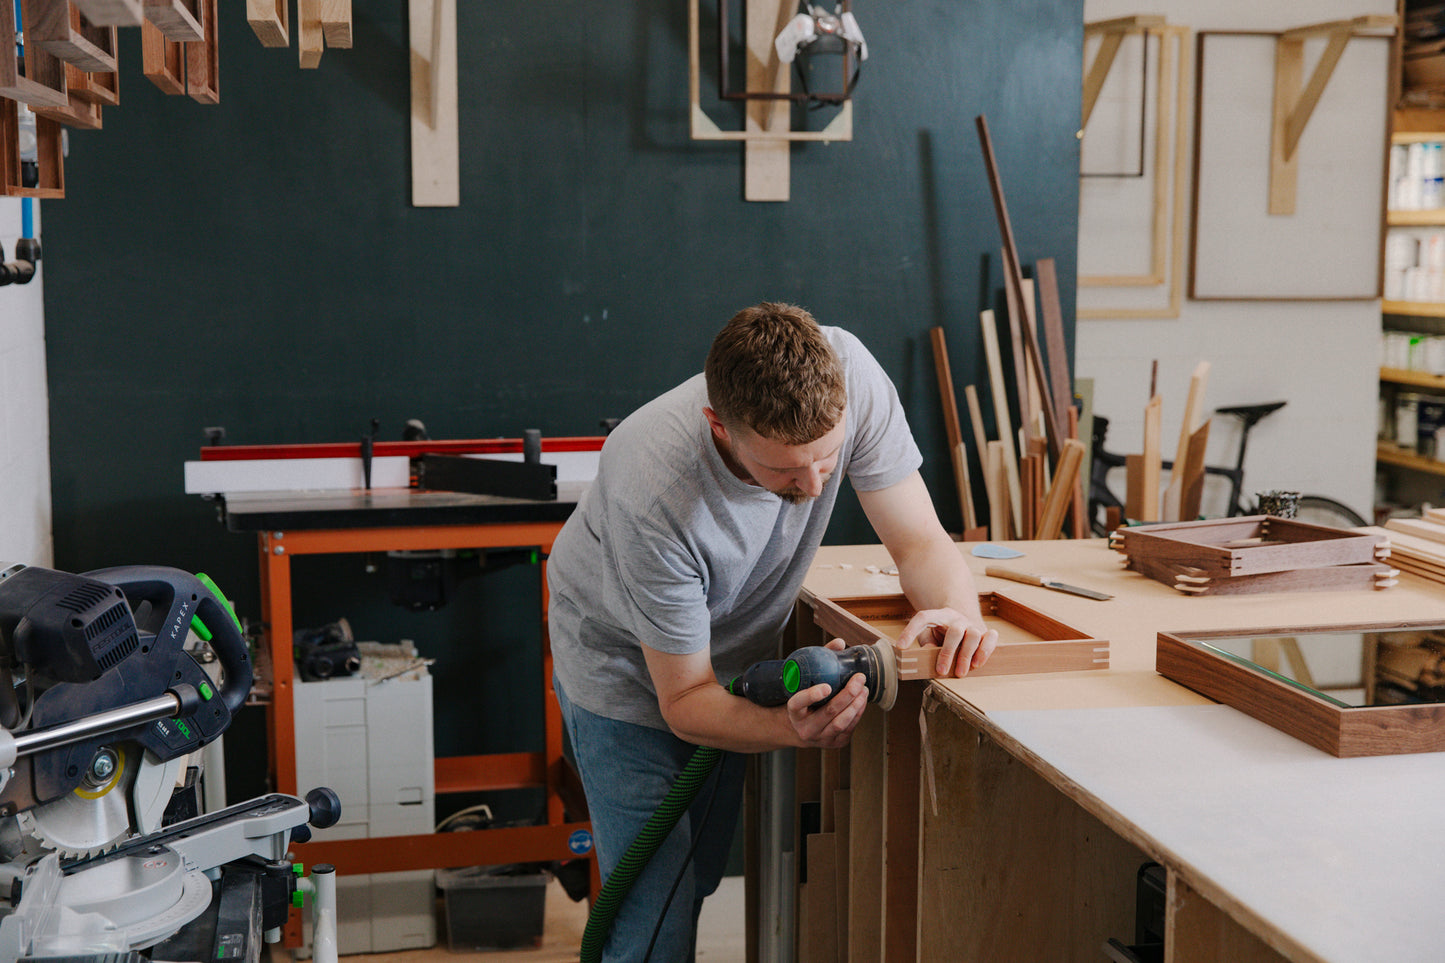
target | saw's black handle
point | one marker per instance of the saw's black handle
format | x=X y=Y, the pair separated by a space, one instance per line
x=182 y=596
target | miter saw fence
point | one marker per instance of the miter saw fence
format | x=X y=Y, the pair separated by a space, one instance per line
x=103 y=707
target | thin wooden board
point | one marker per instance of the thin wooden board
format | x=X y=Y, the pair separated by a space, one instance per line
x=1340 y=731
x=1250 y=545
x=1029 y=641
x=179 y=20
x=435 y=144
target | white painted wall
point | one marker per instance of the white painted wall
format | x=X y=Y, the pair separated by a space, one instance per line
x=25 y=534
x=1320 y=356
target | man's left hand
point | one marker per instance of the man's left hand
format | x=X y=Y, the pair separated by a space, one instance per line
x=965 y=643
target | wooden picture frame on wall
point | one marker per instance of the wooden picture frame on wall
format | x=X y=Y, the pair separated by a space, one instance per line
x=1149 y=281
x=1241 y=252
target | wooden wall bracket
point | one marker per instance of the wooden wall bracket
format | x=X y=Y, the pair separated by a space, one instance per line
x=1295 y=100
x=179 y=20
x=1113 y=33
x=111 y=13
x=435 y=147
x=270 y=21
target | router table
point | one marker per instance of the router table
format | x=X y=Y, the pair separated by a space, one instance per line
x=288 y=524
x=1005 y=818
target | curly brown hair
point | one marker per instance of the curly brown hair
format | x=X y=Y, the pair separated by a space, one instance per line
x=771 y=370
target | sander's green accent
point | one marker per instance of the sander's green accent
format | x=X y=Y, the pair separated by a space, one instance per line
x=619 y=882
x=792 y=675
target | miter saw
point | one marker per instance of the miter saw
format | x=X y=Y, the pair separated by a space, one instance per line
x=105 y=700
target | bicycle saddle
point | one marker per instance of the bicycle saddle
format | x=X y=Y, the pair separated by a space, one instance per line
x=1249 y=414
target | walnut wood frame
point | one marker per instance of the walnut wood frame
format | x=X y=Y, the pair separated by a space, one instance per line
x=1340 y=731
x=1249 y=545
x=1057 y=648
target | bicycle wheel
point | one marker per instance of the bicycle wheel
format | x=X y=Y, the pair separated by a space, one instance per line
x=1319 y=510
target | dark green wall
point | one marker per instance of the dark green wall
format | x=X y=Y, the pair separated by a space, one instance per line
x=257 y=264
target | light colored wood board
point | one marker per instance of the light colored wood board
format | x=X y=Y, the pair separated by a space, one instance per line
x=1060 y=492
x=1241 y=251
x=1417 y=527
x=998 y=492
x=435 y=158
x=61 y=30
x=203 y=60
x=766 y=167
x=310 y=37
x=270 y=21
x=112 y=13
x=900 y=825
x=1014 y=312
x=1344 y=732
x=162 y=60
x=1003 y=837
x=1436 y=515
x=865 y=840
x=179 y=20
x=965 y=486
x=1002 y=421
x=336 y=23
x=1151 y=470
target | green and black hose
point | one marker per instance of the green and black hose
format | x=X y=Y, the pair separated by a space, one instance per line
x=619 y=882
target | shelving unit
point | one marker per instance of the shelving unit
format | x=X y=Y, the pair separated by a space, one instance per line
x=1408 y=476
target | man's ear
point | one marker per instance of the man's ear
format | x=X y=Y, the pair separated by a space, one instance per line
x=718 y=429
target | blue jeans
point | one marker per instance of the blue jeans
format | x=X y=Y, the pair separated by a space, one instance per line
x=626 y=771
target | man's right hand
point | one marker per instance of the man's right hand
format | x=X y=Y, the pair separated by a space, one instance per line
x=831 y=725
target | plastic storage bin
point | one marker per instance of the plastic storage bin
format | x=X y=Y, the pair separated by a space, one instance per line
x=490 y=908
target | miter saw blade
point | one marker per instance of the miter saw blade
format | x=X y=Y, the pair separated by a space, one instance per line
x=91 y=818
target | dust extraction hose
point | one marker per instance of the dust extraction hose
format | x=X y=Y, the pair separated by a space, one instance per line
x=619 y=882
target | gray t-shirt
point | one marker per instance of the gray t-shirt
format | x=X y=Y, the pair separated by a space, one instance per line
x=670 y=548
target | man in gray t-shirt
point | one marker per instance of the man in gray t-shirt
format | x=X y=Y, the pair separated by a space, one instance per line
x=680 y=566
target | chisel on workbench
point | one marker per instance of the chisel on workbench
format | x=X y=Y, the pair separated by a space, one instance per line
x=998 y=571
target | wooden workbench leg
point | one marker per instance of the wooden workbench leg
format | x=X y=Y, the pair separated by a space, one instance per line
x=1011 y=869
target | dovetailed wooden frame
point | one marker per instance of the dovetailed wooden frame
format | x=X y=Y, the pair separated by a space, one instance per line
x=1029 y=641
x=1323 y=723
x=1249 y=545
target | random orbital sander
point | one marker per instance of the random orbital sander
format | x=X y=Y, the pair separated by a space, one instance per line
x=773 y=682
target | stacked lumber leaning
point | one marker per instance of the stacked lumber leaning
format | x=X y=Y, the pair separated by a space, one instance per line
x=1256 y=553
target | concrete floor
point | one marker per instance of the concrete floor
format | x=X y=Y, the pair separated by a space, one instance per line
x=720 y=934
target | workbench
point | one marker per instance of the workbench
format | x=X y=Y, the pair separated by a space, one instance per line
x=292 y=524
x=1005 y=818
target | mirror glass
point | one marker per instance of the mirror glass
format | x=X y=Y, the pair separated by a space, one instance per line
x=1348 y=669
